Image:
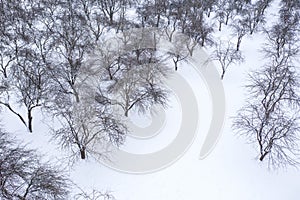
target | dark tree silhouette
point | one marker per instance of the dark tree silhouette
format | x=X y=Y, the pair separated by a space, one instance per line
x=271 y=116
x=23 y=176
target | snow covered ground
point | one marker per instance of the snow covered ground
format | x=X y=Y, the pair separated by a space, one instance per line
x=230 y=172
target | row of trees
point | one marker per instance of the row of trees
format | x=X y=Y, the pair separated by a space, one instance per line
x=46 y=64
x=44 y=45
x=271 y=119
x=46 y=49
x=24 y=176
x=190 y=17
x=56 y=56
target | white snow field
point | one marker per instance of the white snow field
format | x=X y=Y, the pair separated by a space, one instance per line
x=230 y=172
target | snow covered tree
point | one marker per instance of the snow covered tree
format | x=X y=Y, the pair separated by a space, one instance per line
x=271 y=117
x=152 y=13
x=23 y=176
x=23 y=61
x=94 y=195
x=199 y=29
x=87 y=128
x=182 y=48
x=72 y=46
x=226 y=55
x=224 y=12
x=133 y=76
x=109 y=9
x=240 y=30
x=140 y=82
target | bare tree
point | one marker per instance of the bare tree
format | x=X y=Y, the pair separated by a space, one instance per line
x=152 y=13
x=240 y=29
x=87 y=128
x=31 y=82
x=109 y=60
x=95 y=22
x=199 y=29
x=133 y=77
x=224 y=12
x=261 y=6
x=109 y=8
x=170 y=28
x=6 y=57
x=23 y=61
x=180 y=50
x=140 y=88
x=190 y=44
x=93 y=195
x=252 y=17
x=208 y=6
x=174 y=16
x=220 y=13
x=226 y=55
x=23 y=176
x=271 y=117
x=29 y=77
x=289 y=11
x=139 y=82
x=72 y=45
x=282 y=41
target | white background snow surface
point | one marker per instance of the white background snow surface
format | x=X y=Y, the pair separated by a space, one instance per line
x=231 y=172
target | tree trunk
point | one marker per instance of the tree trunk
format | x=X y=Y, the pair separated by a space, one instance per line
x=126 y=113
x=82 y=153
x=110 y=76
x=238 y=45
x=176 y=62
x=223 y=74
x=111 y=18
x=29 y=120
x=158 y=20
x=77 y=97
x=261 y=158
x=208 y=14
x=202 y=42
x=226 y=21
x=5 y=74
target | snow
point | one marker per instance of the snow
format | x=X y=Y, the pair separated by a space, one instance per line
x=230 y=172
